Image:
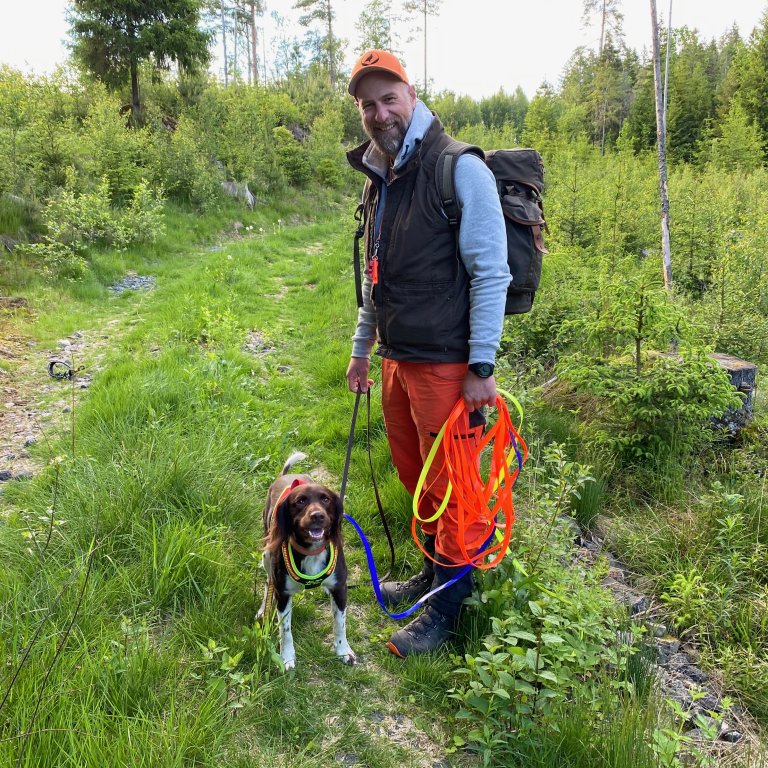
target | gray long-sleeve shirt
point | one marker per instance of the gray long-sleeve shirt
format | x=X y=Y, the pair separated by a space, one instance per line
x=482 y=244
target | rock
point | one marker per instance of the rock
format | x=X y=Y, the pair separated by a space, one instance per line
x=742 y=375
x=731 y=737
x=665 y=649
x=5 y=475
x=657 y=630
x=132 y=282
x=30 y=441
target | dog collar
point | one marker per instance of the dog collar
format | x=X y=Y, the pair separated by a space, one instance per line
x=303 y=578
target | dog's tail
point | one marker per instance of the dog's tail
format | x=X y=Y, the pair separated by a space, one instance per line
x=294 y=458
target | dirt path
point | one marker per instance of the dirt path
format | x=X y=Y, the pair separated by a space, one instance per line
x=33 y=404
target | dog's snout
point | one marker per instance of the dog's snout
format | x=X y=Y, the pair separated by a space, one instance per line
x=317 y=516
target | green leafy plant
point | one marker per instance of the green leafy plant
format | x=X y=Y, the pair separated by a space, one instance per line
x=550 y=631
x=689 y=598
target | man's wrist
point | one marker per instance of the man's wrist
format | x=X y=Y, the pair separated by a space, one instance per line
x=481 y=370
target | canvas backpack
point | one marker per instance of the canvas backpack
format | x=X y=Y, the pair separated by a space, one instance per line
x=519 y=175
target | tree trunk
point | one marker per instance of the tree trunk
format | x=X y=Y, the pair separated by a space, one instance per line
x=135 y=101
x=661 y=147
x=254 y=44
x=602 y=28
x=224 y=43
x=331 y=45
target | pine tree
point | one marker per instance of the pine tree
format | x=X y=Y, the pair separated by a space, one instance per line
x=113 y=37
x=322 y=10
x=426 y=8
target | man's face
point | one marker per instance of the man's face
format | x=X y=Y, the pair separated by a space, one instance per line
x=386 y=107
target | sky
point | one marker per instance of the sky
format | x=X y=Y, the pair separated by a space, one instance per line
x=473 y=48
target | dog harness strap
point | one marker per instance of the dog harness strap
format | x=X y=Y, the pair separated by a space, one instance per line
x=296 y=547
x=302 y=578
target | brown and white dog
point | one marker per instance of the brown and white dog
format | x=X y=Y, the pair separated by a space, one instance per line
x=303 y=549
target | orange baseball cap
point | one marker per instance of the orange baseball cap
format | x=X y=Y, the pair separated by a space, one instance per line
x=376 y=61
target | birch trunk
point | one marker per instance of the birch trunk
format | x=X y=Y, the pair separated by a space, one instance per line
x=661 y=147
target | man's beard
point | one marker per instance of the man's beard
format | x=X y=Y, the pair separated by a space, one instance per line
x=390 y=142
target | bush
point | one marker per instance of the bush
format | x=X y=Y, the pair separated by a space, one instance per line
x=664 y=408
x=182 y=167
x=76 y=221
x=292 y=157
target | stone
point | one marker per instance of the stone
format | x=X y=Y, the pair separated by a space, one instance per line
x=665 y=649
x=657 y=630
x=5 y=475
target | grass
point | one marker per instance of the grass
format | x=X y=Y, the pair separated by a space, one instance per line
x=151 y=549
x=129 y=572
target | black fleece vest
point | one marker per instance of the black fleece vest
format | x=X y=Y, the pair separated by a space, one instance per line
x=422 y=297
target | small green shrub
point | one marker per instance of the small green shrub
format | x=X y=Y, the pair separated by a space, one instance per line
x=667 y=406
x=291 y=156
x=76 y=221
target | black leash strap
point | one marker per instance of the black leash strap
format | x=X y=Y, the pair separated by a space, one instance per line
x=345 y=475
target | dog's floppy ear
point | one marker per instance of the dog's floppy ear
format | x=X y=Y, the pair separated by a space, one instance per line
x=337 y=514
x=282 y=523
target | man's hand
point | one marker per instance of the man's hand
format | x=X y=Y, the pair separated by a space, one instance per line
x=357 y=374
x=478 y=392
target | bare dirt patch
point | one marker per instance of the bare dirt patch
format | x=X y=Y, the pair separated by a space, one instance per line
x=34 y=404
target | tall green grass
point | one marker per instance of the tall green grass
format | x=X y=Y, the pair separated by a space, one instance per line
x=129 y=570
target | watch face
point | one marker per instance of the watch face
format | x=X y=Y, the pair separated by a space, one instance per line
x=483 y=370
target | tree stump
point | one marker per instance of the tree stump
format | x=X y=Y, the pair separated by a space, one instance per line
x=743 y=376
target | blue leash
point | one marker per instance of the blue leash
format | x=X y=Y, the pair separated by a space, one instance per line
x=375 y=579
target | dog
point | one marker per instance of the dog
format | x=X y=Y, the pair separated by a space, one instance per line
x=303 y=549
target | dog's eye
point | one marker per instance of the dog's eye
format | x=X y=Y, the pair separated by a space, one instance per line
x=325 y=499
x=301 y=501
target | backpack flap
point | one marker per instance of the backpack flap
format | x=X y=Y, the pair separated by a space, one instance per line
x=520 y=205
x=525 y=244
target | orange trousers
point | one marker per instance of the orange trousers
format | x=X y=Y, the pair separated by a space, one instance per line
x=417 y=398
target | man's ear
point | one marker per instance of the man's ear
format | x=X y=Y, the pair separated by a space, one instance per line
x=412 y=94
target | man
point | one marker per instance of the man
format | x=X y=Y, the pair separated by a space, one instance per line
x=437 y=311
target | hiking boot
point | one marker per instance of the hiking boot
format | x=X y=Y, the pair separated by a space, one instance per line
x=427 y=632
x=434 y=626
x=396 y=592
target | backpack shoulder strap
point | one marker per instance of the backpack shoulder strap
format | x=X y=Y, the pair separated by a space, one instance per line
x=359 y=234
x=445 y=172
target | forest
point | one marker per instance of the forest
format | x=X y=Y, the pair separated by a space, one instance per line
x=129 y=550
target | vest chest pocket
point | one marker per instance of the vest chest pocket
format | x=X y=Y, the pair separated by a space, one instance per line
x=431 y=317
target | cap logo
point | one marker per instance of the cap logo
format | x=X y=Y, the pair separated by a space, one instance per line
x=371 y=58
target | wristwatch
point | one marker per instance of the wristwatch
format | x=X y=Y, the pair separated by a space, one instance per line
x=483 y=370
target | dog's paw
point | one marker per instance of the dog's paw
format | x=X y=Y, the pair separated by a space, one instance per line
x=289 y=664
x=348 y=656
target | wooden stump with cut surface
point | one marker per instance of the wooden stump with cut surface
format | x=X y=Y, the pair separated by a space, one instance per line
x=743 y=376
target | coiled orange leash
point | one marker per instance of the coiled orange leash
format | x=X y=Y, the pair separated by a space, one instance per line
x=484 y=504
